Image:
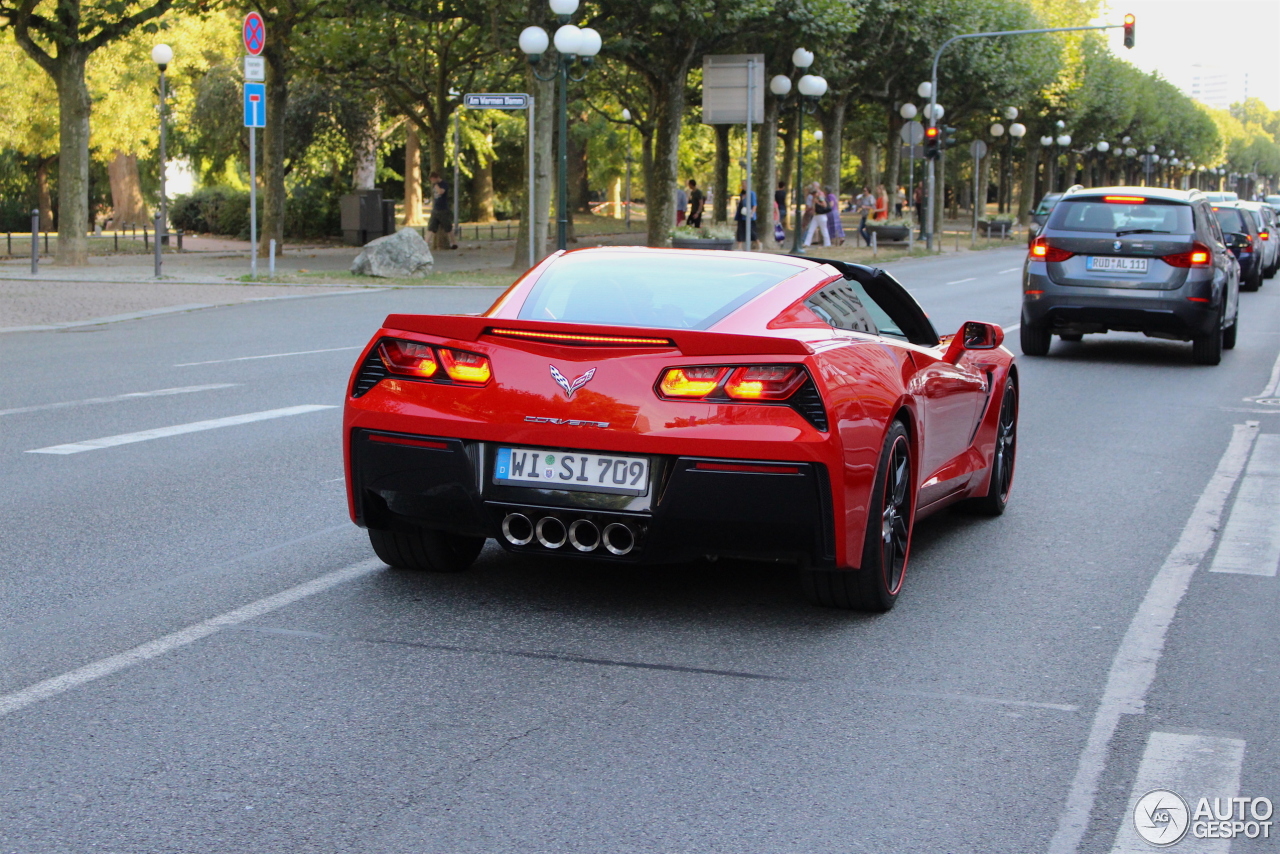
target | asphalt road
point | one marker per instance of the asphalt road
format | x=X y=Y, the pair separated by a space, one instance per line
x=197 y=652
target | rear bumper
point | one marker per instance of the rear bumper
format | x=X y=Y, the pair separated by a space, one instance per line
x=1160 y=313
x=784 y=512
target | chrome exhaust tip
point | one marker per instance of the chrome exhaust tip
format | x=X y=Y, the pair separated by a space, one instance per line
x=618 y=539
x=517 y=529
x=584 y=535
x=550 y=532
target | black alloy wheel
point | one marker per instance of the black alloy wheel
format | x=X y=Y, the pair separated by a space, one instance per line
x=875 y=586
x=1035 y=339
x=1003 y=456
x=425 y=551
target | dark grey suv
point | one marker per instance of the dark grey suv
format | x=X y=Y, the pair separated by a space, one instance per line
x=1131 y=259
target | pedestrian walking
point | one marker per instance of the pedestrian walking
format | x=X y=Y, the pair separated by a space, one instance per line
x=682 y=205
x=834 y=226
x=899 y=200
x=882 y=204
x=817 y=201
x=745 y=214
x=697 y=201
x=865 y=204
x=780 y=200
x=440 y=223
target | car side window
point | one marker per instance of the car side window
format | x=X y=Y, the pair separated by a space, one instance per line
x=845 y=305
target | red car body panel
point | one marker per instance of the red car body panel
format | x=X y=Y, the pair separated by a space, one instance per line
x=865 y=381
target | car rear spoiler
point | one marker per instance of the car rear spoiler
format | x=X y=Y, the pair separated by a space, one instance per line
x=690 y=342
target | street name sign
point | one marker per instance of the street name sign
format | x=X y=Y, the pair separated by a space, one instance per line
x=496 y=101
x=255 y=105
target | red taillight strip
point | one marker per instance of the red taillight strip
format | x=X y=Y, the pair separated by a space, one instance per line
x=572 y=338
x=1125 y=200
x=1198 y=299
x=413 y=443
x=747 y=467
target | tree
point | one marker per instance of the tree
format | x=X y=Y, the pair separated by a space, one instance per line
x=61 y=36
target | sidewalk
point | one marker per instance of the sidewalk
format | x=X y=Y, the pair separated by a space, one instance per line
x=215 y=271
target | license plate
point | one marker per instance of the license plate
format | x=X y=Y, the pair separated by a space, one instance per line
x=1112 y=264
x=572 y=470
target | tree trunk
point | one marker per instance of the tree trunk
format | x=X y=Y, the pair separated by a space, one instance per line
x=43 y=200
x=720 y=176
x=364 y=151
x=832 y=142
x=127 y=204
x=482 y=191
x=615 y=198
x=273 y=146
x=579 y=183
x=1026 y=195
x=412 y=178
x=73 y=158
x=767 y=167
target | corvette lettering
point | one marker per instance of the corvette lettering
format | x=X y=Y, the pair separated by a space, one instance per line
x=567 y=422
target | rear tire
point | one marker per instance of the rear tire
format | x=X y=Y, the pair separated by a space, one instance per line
x=1002 y=458
x=1229 y=335
x=887 y=545
x=1253 y=282
x=425 y=551
x=1035 y=339
x=1207 y=349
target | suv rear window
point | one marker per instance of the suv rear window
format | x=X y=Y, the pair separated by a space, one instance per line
x=1232 y=220
x=1099 y=217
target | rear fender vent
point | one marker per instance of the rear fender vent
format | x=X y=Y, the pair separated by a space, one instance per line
x=371 y=370
x=808 y=402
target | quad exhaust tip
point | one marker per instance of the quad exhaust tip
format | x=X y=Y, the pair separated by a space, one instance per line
x=583 y=534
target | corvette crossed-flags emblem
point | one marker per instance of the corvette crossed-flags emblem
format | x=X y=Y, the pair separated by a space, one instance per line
x=571 y=387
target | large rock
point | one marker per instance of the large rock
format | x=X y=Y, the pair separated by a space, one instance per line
x=396 y=256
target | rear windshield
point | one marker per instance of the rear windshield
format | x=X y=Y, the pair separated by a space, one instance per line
x=1232 y=219
x=1115 y=217
x=1046 y=205
x=677 y=291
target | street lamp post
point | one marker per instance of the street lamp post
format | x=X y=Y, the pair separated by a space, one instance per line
x=626 y=117
x=573 y=44
x=811 y=87
x=908 y=111
x=162 y=55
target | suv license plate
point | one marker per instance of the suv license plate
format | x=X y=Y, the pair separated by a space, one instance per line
x=1112 y=264
x=572 y=470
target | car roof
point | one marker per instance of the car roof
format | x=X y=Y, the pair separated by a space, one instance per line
x=1184 y=196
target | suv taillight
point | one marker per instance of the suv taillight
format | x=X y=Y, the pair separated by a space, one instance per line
x=1041 y=250
x=1198 y=257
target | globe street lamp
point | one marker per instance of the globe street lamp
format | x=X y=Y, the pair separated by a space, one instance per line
x=162 y=55
x=573 y=45
x=1017 y=131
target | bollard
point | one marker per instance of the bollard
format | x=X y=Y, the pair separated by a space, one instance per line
x=35 y=241
x=271 y=261
x=179 y=240
x=117 y=239
x=875 y=245
x=8 y=243
x=145 y=244
x=46 y=243
x=159 y=233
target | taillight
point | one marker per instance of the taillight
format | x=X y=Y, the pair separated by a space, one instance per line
x=690 y=382
x=408 y=357
x=1041 y=250
x=764 y=382
x=464 y=367
x=1266 y=235
x=1197 y=257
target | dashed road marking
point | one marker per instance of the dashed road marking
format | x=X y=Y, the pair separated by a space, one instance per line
x=1191 y=766
x=1010 y=270
x=1273 y=383
x=1134 y=667
x=56 y=685
x=90 y=401
x=267 y=356
x=962 y=281
x=177 y=430
x=1250 y=542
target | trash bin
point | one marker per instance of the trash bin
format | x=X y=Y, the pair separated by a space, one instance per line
x=364 y=217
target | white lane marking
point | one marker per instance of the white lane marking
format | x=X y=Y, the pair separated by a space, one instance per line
x=10 y=703
x=177 y=430
x=1250 y=542
x=1010 y=270
x=1193 y=766
x=1009 y=330
x=1135 y=662
x=89 y=401
x=1273 y=383
x=267 y=356
x=962 y=281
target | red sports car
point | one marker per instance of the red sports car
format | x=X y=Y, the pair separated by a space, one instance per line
x=630 y=404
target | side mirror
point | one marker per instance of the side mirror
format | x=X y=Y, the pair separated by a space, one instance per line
x=1234 y=239
x=974 y=335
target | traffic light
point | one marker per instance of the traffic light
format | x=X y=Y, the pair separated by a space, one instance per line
x=931 y=140
x=1129 y=21
x=949 y=137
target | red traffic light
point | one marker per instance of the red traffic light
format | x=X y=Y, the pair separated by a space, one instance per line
x=1129 y=21
x=931 y=133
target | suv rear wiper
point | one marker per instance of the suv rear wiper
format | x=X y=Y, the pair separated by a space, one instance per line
x=1141 y=231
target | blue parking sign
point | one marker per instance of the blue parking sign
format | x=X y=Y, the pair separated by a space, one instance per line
x=255 y=105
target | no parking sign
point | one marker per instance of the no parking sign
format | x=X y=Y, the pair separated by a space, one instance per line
x=254 y=34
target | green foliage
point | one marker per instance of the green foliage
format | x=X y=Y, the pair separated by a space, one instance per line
x=212 y=210
x=312 y=209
